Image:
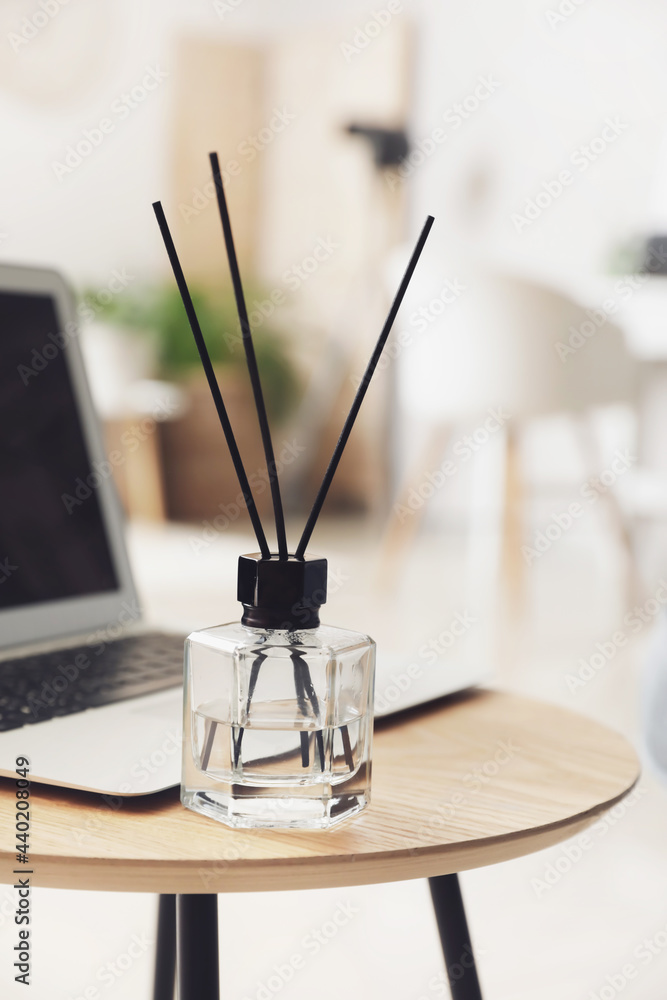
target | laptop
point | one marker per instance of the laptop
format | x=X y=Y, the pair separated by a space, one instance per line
x=86 y=694
x=88 y=697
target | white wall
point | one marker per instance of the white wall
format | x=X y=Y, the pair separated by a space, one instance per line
x=558 y=84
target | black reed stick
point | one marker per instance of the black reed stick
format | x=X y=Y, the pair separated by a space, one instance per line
x=252 y=684
x=304 y=689
x=361 y=392
x=212 y=380
x=208 y=745
x=250 y=358
x=303 y=708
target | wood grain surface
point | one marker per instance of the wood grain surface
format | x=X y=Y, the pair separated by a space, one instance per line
x=468 y=781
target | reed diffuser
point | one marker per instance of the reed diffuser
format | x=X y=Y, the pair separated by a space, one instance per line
x=278 y=709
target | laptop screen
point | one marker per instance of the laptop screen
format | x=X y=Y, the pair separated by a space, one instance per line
x=53 y=541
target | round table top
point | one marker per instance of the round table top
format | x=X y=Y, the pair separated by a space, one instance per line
x=462 y=783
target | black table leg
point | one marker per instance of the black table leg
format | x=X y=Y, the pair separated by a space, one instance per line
x=455 y=939
x=165 y=951
x=197 y=934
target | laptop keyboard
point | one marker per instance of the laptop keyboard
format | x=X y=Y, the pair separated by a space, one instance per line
x=46 y=685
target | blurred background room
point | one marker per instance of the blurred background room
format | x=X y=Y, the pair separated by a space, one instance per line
x=503 y=499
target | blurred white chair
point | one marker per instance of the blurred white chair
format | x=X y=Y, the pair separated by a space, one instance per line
x=654 y=701
x=643 y=493
x=496 y=346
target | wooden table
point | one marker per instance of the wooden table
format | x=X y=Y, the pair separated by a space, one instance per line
x=466 y=782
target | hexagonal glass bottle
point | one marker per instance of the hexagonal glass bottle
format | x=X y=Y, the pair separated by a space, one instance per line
x=278 y=708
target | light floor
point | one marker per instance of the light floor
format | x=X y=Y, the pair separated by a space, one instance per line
x=545 y=927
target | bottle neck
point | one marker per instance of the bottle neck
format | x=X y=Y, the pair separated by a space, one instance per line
x=287 y=619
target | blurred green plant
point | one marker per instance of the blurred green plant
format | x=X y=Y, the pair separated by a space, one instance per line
x=157 y=312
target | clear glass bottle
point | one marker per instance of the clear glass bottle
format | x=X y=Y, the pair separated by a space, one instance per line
x=278 y=708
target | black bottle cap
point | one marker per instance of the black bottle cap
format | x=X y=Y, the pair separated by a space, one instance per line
x=282 y=593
